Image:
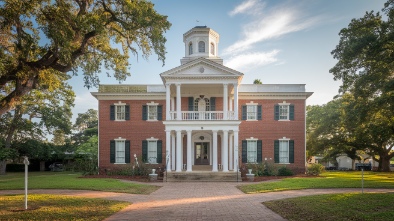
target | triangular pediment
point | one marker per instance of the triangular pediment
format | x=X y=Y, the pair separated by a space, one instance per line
x=201 y=68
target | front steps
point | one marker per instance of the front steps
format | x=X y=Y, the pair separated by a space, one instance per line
x=202 y=173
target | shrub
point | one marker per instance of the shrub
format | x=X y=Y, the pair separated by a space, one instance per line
x=315 y=169
x=270 y=169
x=284 y=171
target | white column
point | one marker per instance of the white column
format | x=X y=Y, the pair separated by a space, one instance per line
x=168 y=102
x=189 y=151
x=178 y=102
x=182 y=148
x=225 y=101
x=173 y=156
x=230 y=152
x=236 y=163
x=168 y=150
x=236 y=102
x=173 y=105
x=178 y=165
x=225 y=151
x=215 y=151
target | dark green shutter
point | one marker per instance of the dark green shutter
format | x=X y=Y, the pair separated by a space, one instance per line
x=213 y=103
x=159 y=151
x=244 y=151
x=276 y=151
x=291 y=115
x=127 y=112
x=144 y=112
x=291 y=151
x=244 y=112
x=112 y=151
x=191 y=104
x=127 y=151
x=259 y=112
x=259 y=151
x=160 y=112
x=144 y=151
x=276 y=112
x=112 y=112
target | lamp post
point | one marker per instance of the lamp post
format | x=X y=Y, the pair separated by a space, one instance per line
x=26 y=162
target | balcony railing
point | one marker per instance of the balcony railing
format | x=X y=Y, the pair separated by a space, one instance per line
x=203 y=115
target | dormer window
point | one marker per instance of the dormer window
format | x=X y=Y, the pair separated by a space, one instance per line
x=190 y=48
x=201 y=46
x=212 y=49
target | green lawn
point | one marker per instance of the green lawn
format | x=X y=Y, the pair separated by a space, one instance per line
x=68 y=180
x=55 y=207
x=347 y=179
x=350 y=206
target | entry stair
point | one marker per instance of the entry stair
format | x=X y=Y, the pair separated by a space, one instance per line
x=202 y=173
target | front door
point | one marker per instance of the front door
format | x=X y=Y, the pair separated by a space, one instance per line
x=201 y=153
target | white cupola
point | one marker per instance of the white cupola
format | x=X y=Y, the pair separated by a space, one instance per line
x=201 y=41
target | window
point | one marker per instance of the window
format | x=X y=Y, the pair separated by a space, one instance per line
x=119 y=112
x=152 y=111
x=201 y=46
x=190 y=48
x=212 y=49
x=284 y=151
x=251 y=111
x=152 y=150
x=284 y=111
x=120 y=151
x=252 y=150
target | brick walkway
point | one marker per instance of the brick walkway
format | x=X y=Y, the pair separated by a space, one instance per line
x=196 y=201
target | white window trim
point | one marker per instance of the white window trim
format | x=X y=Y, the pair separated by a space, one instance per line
x=251 y=104
x=254 y=140
x=151 y=139
x=124 y=140
x=116 y=112
x=288 y=111
x=147 y=109
x=288 y=148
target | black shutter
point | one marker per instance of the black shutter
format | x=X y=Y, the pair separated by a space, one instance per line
x=159 y=151
x=144 y=151
x=244 y=112
x=259 y=112
x=276 y=112
x=112 y=151
x=144 y=112
x=127 y=112
x=244 y=151
x=212 y=102
x=259 y=151
x=127 y=151
x=160 y=112
x=291 y=115
x=191 y=104
x=112 y=112
x=291 y=151
x=276 y=151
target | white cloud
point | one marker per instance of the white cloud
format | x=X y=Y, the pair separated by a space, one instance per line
x=247 y=7
x=281 y=20
x=251 y=60
x=84 y=102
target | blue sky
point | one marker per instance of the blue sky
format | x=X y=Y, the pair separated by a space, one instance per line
x=278 y=42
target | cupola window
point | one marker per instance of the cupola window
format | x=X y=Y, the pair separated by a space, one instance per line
x=212 y=49
x=201 y=46
x=190 y=48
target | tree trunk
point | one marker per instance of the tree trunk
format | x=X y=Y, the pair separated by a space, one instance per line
x=3 y=165
x=42 y=165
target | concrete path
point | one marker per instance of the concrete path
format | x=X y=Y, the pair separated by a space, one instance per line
x=196 y=201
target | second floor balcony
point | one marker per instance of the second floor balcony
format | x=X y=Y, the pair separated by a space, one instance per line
x=203 y=115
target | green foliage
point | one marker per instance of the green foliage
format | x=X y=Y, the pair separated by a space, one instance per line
x=284 y=171
x=257 y=81
x=57 y=207
x=72 y=181
x=86 y=157
x=346 y=207
x=86 y=36
x=315 y=169
x=7 y=153
x=266 y=168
